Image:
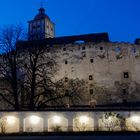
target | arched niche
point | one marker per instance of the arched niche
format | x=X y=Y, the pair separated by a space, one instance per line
x=83 y=122
x=9 y=124
x=57 y=123
x=110 y=121
x=33 y=123
x=133 y=122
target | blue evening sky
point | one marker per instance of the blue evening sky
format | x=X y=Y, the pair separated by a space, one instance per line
x=120 y=18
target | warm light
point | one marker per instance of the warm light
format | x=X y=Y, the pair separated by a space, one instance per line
x=34 y=120
x=11 y=120
x=84 y=119
x=110 y=119
x=56 y=119
x=135 y=119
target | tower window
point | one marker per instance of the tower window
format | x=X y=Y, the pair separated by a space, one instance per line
x=126 y=75
x=66 y=62
x=91 y=91
x=90 y=77
x=91 y=60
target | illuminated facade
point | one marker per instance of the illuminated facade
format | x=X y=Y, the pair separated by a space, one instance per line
x=111 y=74
x=109 y=69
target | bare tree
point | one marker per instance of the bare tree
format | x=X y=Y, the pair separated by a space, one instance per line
x=66 y=92
x=111 y=121
x=39 y=69
x=9 y=64
x=29 y=69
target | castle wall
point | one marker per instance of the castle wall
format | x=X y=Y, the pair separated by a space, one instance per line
x=113 y=68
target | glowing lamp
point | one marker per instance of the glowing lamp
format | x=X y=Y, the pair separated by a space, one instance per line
x=84 y=119
x=135 y=119
x=34 y=120
x=11 y=120
x=56 y=119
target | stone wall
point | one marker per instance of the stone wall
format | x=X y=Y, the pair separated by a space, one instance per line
x=111 y=70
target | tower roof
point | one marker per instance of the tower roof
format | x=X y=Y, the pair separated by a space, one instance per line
x=41 y=14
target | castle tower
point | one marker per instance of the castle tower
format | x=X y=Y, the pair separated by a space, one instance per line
x=41 y=27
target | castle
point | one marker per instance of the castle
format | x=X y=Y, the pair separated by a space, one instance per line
x=107 y=72
x=98 y=70
x=110 y=69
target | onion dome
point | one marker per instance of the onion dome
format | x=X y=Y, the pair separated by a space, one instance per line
x=41 y=14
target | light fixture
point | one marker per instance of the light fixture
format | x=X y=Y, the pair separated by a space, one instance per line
x=83 y=119
x=34 y=120
x=10 y=120
x=56 y=119
x=135 y=119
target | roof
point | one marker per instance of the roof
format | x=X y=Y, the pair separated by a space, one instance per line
x=96 y=38
x=41 y=14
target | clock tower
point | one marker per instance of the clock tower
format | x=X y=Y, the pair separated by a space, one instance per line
x=41 y=27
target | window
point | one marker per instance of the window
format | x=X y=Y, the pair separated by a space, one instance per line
x=101 y=48
x=67 y=92
x=124 y=101
x=66 y=79
x=91 y=91
x=90 y=77
x=66 y=62
x=83 y=48
x=48 y=50
x=124 y=91
x=133 y=50
x=83 y=54
x=25 y=65
x=91 y=60
x=44 y=81
x=126 y=75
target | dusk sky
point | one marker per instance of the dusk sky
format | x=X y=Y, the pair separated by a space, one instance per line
x=120 y=18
